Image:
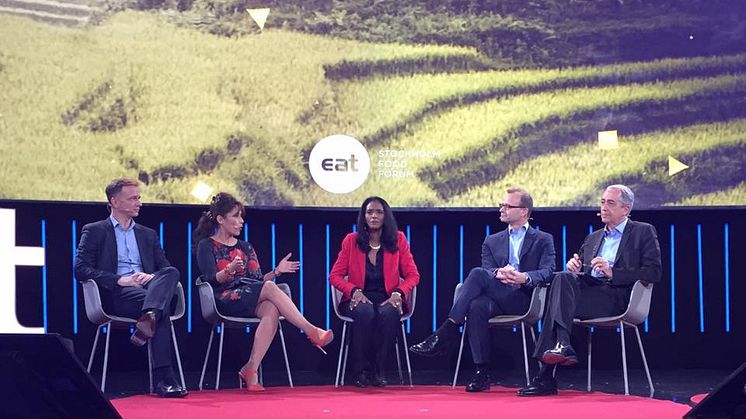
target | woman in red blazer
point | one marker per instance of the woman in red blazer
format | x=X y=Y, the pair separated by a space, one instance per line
x=369 y=271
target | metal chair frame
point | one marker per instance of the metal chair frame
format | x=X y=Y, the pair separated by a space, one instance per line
x=636 y=313
x=96 y=315
x=214 y=318
x=344 y=349
x=532 y=315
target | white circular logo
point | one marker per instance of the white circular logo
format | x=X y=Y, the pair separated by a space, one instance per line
x=339 y=164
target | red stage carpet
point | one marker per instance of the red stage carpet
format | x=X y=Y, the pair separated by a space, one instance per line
x=697 y=398
x=394 y=401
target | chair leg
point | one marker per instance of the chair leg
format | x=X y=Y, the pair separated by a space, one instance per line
x=406 y=354
x=590 y=340
x=344 y=361
x=150 y=367
x=624 y=359
x=341 y=351
x=458 y=360
x=398 y=361
x=285 y=352
x=533 y=337
x=178 y=357
x=106 y=357
x=220 y=355
x=525 y=352
x=207 y=355
x=93 y=348
x=645 y=362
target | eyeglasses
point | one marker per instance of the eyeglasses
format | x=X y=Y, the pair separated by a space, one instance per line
x=508 y=206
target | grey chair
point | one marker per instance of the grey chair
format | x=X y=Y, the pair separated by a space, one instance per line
x=214 y=318
x=344 y=349
x=636 y=313
x=529 y=318
x=96 y=315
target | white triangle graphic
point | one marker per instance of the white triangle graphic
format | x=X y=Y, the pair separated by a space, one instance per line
x=259 y=16
x=675 y=166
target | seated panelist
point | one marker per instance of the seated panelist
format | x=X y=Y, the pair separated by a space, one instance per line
x=368 y=273
x=597 y=283
x=241 y=289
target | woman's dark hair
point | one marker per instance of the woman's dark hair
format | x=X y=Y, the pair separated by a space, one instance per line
x=389 y=231
x=222 y=204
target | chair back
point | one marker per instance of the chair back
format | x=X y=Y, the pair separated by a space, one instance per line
x=535 y=306
x=639 y=303
x=207 y=301
x=210 y=310
x=94 y=310
x=457 y=292
x=411 y=302
x=337 y=297
x=179 y=309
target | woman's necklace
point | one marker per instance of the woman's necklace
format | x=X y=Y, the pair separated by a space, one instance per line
x=374 y=247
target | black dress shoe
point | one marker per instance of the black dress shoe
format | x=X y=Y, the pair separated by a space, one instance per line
x=361 y=380
x=378 y=380
x=479 y=382
x=144 y=328
x=164 y=389
x=562 y=354
x=539 y=386
x=434 y=345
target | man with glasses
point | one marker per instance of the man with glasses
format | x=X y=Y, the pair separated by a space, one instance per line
x=514 y=261
x=597 y=283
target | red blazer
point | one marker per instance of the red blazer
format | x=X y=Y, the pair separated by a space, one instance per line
x=351 y=263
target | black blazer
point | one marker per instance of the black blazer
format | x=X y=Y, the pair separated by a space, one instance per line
x=97 y=253
x=638 y=257
x=537 y=254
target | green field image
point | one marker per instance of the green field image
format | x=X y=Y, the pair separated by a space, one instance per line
x=144 y=97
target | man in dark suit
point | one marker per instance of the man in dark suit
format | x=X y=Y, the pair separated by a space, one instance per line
x=514 y=261
x=128 y=264
x=597 y=283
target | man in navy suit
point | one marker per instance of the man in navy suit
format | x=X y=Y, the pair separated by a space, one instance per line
x=128 y=264
x=598 y=283
x=514 y=261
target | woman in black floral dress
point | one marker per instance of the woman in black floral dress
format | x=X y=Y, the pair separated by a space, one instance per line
x=231 y=267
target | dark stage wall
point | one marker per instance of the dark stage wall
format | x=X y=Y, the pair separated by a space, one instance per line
x=696 y=321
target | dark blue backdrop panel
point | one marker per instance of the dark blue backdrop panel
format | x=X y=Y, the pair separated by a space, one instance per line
x=696 y=319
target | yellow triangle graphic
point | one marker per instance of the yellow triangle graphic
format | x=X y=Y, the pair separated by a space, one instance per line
x=675 y=166
x=259 y=16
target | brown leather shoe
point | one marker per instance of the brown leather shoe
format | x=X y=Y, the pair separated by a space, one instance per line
x=144 y=329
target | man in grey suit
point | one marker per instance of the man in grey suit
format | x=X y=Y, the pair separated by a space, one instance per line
x=514 y=261
x=598 y=283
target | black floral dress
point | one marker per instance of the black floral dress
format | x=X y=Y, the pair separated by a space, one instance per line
x=240 y=296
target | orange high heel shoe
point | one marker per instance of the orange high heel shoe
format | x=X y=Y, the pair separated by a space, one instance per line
x=246 y=375
x=321 y=338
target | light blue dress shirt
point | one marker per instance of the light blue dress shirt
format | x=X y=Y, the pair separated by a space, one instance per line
x=610 y=246
x=516 y=241
x=128 y=254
